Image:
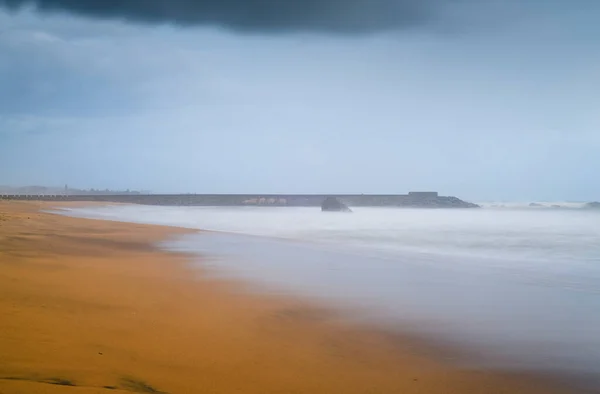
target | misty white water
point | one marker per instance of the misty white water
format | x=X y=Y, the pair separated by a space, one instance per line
x=521 y=283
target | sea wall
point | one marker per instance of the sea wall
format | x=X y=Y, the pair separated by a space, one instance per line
x=284 y=200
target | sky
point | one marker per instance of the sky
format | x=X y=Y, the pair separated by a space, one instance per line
x=484 y=100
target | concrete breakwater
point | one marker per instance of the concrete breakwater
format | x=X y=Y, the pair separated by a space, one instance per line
x=413 y=199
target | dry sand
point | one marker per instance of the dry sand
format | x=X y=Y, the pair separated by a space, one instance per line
x=92 y=307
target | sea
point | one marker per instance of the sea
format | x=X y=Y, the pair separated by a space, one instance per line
x=517 y=286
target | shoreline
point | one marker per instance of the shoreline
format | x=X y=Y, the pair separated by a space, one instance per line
x=94 y=304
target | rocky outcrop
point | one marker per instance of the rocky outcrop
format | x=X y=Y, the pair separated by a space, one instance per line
x=332 y=204
x=443 y=202
x=592 y=205
x=535 y=205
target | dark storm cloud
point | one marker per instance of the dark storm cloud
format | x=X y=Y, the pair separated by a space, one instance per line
x=344 y=16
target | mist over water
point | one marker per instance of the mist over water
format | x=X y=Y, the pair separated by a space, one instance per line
x=523 y=284
x=541 y=237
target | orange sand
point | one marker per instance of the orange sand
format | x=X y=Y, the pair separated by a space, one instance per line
x=92 y=307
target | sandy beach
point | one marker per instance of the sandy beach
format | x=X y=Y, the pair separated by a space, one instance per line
x=93 y=306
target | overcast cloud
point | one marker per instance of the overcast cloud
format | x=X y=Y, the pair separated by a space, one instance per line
x=342 y=16
x=492 y=101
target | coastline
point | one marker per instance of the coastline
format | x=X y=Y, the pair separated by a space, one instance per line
x=94 y=304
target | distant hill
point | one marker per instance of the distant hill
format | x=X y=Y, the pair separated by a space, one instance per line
x=49 y=190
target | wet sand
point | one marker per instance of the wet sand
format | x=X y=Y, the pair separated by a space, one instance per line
x=93 y=307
